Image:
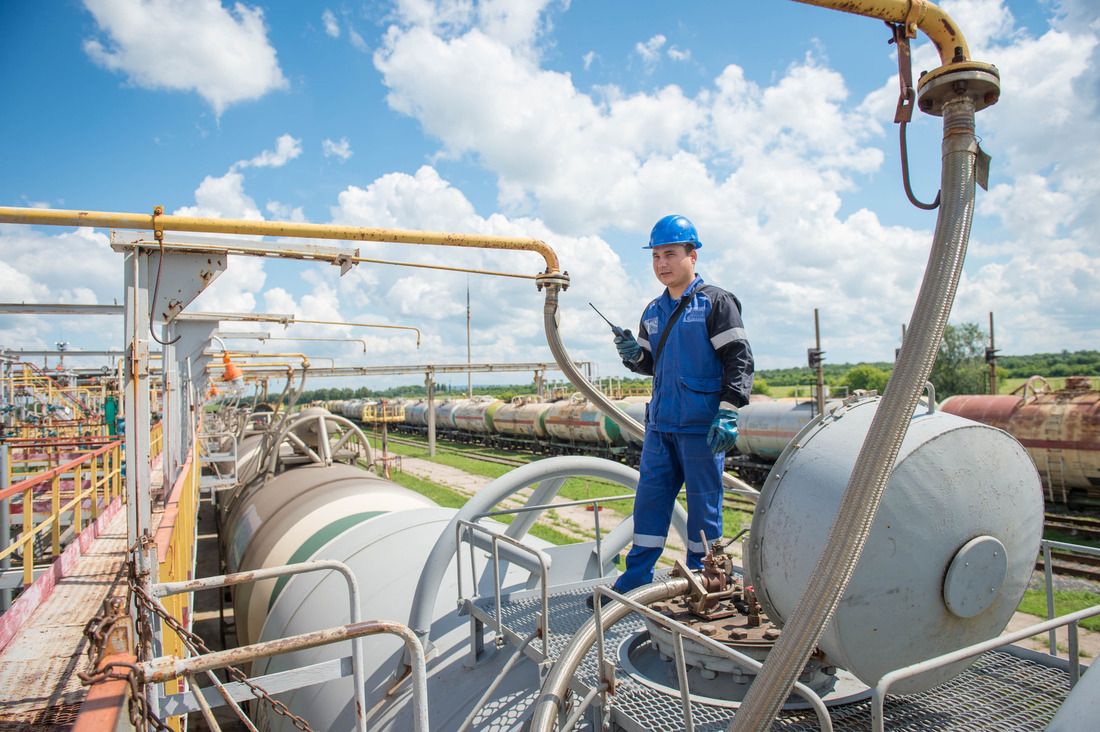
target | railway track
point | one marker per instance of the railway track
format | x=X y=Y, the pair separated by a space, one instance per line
x=1082 y=527
x=1067 y=564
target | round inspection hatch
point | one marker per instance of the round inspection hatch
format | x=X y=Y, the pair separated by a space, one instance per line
x=975 y=576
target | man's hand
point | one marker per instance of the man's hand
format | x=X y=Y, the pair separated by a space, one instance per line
x=722 y=435
x=629 y=350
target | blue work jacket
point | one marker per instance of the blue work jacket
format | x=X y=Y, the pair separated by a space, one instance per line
x=705 y=361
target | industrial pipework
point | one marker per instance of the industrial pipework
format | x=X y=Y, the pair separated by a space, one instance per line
x=956 y=91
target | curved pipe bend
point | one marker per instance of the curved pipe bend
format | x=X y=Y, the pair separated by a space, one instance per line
x=557 y=682
x=541 y=471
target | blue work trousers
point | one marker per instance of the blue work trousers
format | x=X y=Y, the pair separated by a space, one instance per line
x=669 y=461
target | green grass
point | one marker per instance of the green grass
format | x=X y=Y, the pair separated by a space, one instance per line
x=1067 y=538
x=450 y=499
x=443 y=496
x=1035 y=603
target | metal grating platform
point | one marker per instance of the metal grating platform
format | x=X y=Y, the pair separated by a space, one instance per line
x=999 y=692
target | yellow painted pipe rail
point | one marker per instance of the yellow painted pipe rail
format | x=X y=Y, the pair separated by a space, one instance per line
x=914 y=15
x=161 y=222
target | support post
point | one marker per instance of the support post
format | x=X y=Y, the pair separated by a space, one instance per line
x=430 y=383
x=136 y=396
x=820 y=367
x=5 y=523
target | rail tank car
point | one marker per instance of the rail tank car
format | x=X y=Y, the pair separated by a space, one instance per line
x=1059 y=428
x=765 y=427
x=521 y=417
x=416 y=414
x=576 y=420
x=475 y=416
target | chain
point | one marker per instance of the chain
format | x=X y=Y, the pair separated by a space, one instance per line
x=195 y=643
x=141 y=716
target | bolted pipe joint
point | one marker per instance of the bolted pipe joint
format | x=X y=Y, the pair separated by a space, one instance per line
x=981 y=83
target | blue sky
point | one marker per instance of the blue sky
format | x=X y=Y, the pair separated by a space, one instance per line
x=769 y=124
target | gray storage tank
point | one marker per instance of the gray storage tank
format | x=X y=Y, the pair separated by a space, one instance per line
x=950 y=552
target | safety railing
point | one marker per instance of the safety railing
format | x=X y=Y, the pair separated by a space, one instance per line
x=92 y=480
x=223 y=462
x=494 y=540
x=1048 y=573
x=175 y=544
x=29 y=456
x=383 y=412
x=878 y=698
x=231 y=693
x=156 y=439
x=679 y=632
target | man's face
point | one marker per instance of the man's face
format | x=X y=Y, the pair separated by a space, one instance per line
x=674 y=267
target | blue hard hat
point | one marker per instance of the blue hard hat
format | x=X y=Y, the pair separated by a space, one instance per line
x=673 y=229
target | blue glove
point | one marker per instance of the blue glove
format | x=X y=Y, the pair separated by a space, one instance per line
x=629 y=350
x=722 y=435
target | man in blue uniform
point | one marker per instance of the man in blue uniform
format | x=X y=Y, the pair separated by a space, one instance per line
x=692 y=341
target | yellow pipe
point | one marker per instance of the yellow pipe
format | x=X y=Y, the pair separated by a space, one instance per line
x=334 y=340
x=914 y=14
x=160 y=223
x=362 y=325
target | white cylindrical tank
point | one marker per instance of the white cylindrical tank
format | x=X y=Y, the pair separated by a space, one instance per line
x=476 y=415
x=286 y=518
x=523 y=417
x=445 y=413
x=417 y=414
x=950 y=552
x=764 y=428
x=635 y=408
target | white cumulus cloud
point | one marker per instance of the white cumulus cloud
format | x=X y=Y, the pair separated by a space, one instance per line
x=331 y=26
x=187 y=45
x=341 y=149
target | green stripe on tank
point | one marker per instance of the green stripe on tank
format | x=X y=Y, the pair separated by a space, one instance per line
x=489 y=414
x=611 y=429
x=315 y=542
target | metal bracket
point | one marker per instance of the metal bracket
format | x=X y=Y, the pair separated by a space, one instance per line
x=346 y=261
x=912 y=18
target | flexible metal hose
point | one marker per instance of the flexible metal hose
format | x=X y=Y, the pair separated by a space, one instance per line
x=595 y=396
x=875 y=463
x=557 y=682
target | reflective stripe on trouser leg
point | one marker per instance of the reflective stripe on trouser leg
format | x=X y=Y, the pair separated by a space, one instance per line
x=703 y=476
x=660 y=479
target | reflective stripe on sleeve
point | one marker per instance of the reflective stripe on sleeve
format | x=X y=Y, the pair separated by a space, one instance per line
x=645 y=344
x=728 y=336
x=648 y=540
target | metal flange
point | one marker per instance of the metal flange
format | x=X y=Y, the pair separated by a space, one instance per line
x=981 y=82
